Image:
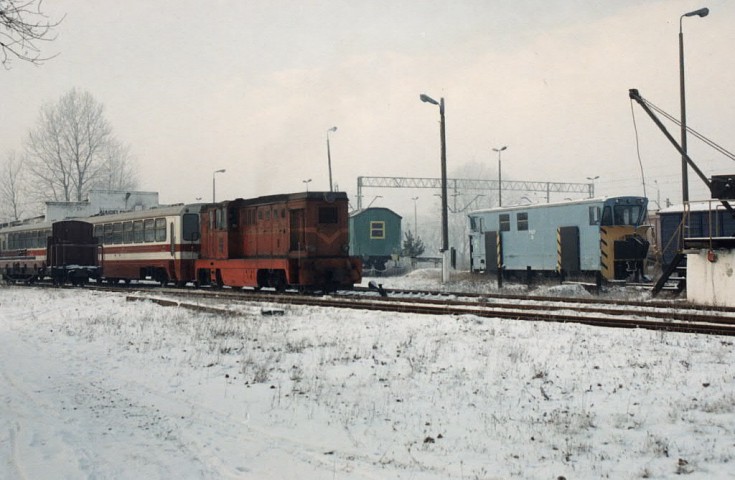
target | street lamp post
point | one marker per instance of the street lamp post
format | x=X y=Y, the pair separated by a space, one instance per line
x=500 y=176
x=306 y=182
x=214 y=196
x=329 y=158
x=592 y=186
x=702 y=12
x=415 y=218
x=445 y=221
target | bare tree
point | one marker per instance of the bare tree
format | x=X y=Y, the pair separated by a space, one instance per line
x=23 y=25
x=11 y=189
x=118 y=172
x=72 y=150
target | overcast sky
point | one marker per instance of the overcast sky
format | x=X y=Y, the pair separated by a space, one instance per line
x=253 y=87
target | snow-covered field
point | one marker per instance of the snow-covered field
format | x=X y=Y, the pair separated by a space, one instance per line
x=92 y=386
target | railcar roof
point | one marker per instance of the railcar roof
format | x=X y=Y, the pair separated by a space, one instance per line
x=697 y=206
x=148 y=213
x=543 y=205
x=282 y=197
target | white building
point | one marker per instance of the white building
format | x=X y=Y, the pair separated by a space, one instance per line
x=102 y=202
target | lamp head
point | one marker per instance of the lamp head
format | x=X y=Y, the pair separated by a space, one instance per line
x=702 y=12
x=333 y=129
x=428 y=99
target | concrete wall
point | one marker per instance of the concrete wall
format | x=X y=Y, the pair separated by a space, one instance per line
x=711 y=283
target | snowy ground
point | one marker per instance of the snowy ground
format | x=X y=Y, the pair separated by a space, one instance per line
x=94 y=387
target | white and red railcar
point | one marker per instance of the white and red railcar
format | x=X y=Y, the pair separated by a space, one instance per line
x=63 y=251
x=159 y=244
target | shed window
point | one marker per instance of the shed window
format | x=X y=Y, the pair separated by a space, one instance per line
x=522 y=221
x=377 y=230
x=505 y=222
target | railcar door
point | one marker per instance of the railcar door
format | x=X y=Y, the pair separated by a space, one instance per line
x=298 y=234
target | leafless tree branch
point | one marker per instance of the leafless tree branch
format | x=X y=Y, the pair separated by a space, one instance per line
x=23 y=25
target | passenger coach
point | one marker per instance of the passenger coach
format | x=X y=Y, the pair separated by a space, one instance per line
x=576 y=237
x=159 y=244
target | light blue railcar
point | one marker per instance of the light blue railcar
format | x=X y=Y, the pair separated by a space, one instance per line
x=582 y=236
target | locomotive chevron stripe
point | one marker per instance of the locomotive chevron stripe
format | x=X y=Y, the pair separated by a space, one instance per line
x=558 y=249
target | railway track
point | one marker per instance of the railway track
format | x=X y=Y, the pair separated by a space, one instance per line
x=665 y=316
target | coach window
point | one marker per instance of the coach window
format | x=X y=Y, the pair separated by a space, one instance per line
x=505 y=222
x=108 y=234
x=522 y=221
x=160 y=229
x=128 y=232
x=594 y=215
x=138 y=231
x=149 y=233
x=327 y=214
x=190 y=227
x=117 y=232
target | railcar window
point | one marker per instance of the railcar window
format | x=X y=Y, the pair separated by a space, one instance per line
x=117 y=230
x=160 y=229
x=594 y=215
x=138 y=231
x=108 y=233
x=99 y=232
x=522 y=221
x=377 y=230
x=327 y=214
x=504 y=222
x=128 y=232
x=190 y=227
x=149 y=233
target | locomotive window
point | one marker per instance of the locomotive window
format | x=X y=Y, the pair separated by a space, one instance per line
x=149 y=233
x=267 y=214
x=594 y=215
x=138 y=231
x=190 y=227
x=117 y=230
x=160 y=229
x=522 y=221
x=377 y=230
x=260 y=214
x=283 y=213
x=504 y=222
x=108 y=233
x=327 y=214
x=607 y=219
x=128 y=232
